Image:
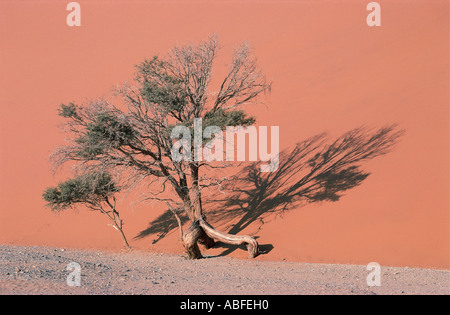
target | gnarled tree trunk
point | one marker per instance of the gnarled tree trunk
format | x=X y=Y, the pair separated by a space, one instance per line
x=200 y=228
x=252 y=244
x=190 y=239
x=201 y=232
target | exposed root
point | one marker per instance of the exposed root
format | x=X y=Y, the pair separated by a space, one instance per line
x=252 y=244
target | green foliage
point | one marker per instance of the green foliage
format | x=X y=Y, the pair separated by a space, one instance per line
x=88 y=189
x=158 y=86
x=171 y=96
x=105 y=131
x=222 y=118
x=219 y=118
x=69 y=111
x=106 y=127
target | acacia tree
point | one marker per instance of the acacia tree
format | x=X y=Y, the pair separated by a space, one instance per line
x=132 y=139
x=95 y=191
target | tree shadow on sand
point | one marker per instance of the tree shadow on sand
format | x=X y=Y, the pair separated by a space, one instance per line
x=315 y=170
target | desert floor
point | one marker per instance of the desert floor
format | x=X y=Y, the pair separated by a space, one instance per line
x=43 y=270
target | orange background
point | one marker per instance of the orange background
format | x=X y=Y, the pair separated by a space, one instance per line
x=331 y=72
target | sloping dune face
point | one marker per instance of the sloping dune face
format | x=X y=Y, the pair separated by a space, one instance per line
x=331 y=73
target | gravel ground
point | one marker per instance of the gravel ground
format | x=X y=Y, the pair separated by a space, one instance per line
x=43 y=270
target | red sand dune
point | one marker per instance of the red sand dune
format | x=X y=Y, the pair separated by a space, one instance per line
x=330 y=72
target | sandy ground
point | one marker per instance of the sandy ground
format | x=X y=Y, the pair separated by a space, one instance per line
x=43 y=270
